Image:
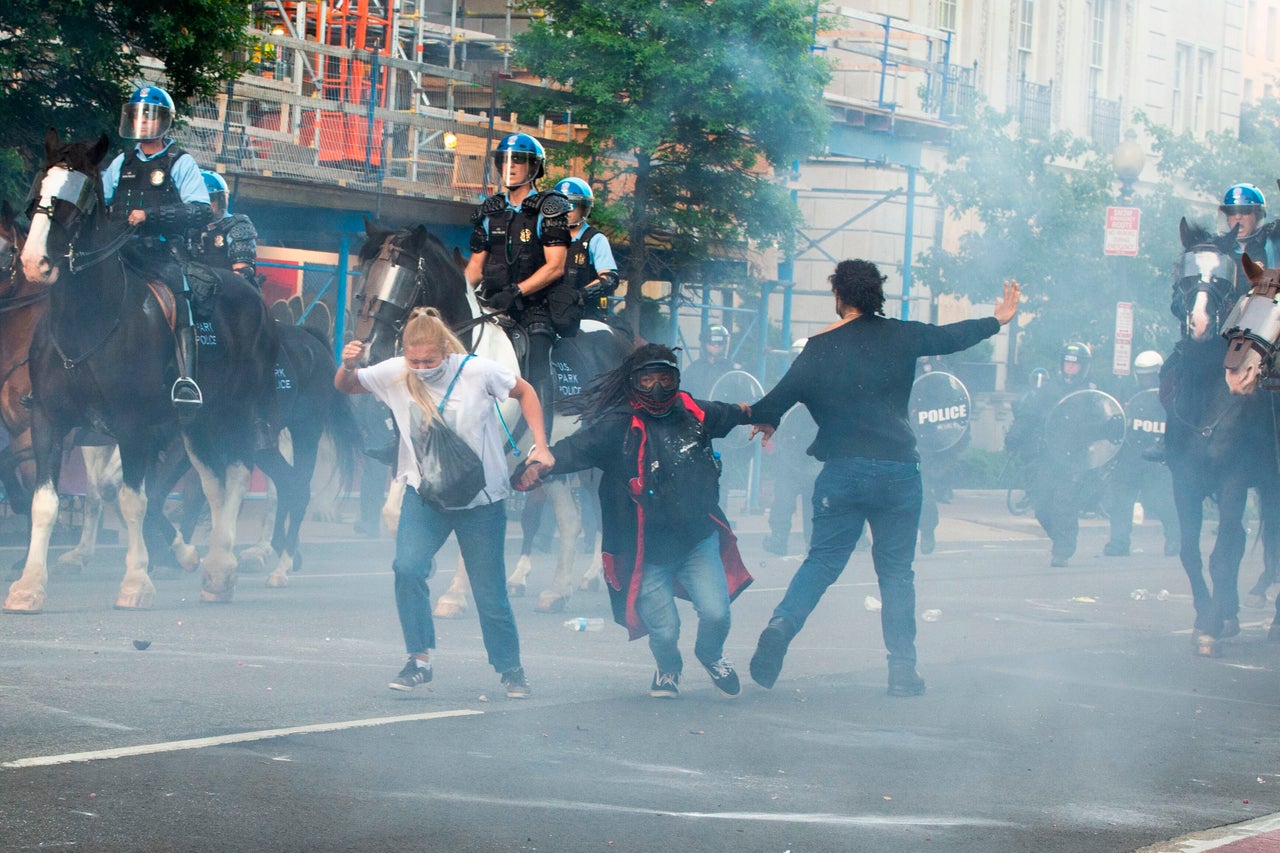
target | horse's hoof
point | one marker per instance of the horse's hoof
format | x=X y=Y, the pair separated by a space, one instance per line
x=141 y=600
x=278 y=580
x=217 y=597
x=24 y=602
x=516 y=590
x=551 y=604
x=67 y=566
x=1230 y=628
x=590 y=584
x=448 y=609
x=251 y=563
x=1203 y=645
x=1255 y=600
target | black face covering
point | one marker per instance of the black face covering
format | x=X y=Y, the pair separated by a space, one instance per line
x=654 y=388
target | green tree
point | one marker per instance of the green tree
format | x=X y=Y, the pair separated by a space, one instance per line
x=69 y=64
x=693 y=105
x=1039 y=207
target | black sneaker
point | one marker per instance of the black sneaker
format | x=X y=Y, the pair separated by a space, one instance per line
x=515 y=682
x=666 y=685
x=724 y=678
x=411 y=676
x=904 y=681
x=766 y=663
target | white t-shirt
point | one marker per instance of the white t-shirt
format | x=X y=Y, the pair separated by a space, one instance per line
x=469 y=412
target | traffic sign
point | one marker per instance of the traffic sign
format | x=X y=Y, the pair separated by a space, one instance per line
x=1123 y=350
x=1122 y=231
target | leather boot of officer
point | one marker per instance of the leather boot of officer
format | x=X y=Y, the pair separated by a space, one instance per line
x=185 y=394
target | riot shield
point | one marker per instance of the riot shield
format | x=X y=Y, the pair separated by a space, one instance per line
x=1145 y=419
x=1084 y=431
x=939 y=412
x=736 y=386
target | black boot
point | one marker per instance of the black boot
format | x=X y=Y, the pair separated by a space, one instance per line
x=903 y=679
x=185 y=393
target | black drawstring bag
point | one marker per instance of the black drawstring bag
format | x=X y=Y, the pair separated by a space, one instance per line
x=452 y=474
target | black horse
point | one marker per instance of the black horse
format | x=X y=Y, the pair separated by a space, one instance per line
x=411 y=267
x=1218 y=445
x=103 y=357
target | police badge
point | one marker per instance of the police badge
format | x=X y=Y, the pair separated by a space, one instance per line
x=219 y=241
x=525 y=235
x=157 y=177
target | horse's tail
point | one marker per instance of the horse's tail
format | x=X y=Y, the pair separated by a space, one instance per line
x=346 y=436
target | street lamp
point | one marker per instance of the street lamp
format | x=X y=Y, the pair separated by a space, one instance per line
x=1128 y=160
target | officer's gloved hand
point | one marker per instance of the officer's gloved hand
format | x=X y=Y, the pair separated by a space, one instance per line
x=503 y=299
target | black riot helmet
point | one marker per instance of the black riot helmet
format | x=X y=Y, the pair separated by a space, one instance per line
x=654 y=378
x=1076 y=359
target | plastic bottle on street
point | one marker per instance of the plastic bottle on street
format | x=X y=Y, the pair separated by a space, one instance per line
x=583 y=623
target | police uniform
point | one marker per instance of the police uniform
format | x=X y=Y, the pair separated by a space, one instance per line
x=136 y=182
x=514 y=240
x=587 y=250
x=230 y=241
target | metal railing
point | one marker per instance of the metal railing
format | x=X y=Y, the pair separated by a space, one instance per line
x=1104 y=122
x=1035 y=108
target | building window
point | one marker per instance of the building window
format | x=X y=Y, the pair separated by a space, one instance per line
x=1026 y=21
x=1097 y=46
x=1271 y=33
x=1204 y=76
x=1251 y=29
x=1182 y=58
x=1248 y=91
x=947 y=15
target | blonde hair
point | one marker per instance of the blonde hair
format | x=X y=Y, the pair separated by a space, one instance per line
x=426 y=328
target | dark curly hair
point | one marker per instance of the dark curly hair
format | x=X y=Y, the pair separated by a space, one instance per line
x=859 y=285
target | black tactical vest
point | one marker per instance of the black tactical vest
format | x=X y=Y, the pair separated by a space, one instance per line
x=231 y=240
x=578 y=269
x=515 y=252
x=147 y=185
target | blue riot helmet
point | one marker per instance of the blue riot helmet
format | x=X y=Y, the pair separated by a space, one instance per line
x=148 y=114
x=519 y=148
x=1244 y=199
x=217 y=188
x=579 y=194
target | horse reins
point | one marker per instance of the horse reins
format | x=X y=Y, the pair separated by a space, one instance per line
x=69 y=363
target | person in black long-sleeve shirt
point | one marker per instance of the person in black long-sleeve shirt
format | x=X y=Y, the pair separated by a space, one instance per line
x=855 y=379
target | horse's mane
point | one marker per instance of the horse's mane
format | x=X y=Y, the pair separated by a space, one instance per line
x=411 y=237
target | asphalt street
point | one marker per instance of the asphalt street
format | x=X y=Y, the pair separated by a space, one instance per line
x=1064 y=712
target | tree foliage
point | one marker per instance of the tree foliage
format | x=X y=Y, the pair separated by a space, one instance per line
x=69 y=64
x=692 y=105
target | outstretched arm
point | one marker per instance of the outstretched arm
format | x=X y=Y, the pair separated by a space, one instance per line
x=1007 y=306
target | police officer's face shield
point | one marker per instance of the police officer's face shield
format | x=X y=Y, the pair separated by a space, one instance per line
x=1247 y=216
x=515 y=168
x=145 y=121
x=1073 y=368
x=581 y=209
x=218 y=204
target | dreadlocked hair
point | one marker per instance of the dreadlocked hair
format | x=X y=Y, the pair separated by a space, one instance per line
x=612 y=390
x=426 y=328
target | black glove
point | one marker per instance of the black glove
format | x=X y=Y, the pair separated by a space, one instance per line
x=503 y=299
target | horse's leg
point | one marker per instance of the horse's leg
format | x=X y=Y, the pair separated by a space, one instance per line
x=1224 y=560
x=27 y=593
x=98 y=470
x=225 y=495
x=274 y=462
x=453 y=602
x=569 y=521
x=1189 y=501
x=1269 y=522
x=530 y=521
x=590 y=506
x=137 y=592
x=294 y=488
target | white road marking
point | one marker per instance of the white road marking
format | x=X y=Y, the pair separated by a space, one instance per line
x=222 y=740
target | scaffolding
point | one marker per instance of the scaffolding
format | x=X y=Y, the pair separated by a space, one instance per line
x=384 y=96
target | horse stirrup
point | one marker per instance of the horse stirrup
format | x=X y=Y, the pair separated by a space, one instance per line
x=186 y=392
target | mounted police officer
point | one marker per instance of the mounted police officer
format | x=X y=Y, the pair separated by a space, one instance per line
x=1135 y=477
x=1245 y=206
x=1057 y=493
x=590 y=268
x=157 y=188
x=519 y=245
x=229 y=241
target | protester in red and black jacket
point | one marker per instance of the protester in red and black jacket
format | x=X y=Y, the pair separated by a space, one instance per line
x=665 y=534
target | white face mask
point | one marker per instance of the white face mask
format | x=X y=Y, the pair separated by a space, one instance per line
x=431 y=374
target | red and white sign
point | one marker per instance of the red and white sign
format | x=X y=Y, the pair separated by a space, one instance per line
x=1122 y=231
x=1124 y=339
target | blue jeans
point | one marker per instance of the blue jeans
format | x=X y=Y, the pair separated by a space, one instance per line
x=481 y=533
x=848 y=492
x=701 y=573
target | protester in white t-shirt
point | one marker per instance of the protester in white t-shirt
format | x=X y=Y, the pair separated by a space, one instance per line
x=412 y=386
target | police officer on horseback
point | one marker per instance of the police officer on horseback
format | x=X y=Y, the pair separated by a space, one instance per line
x=157 y=188
x=1244 y=205
x=229 y=241
x=519 y=246
x=590 y=268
